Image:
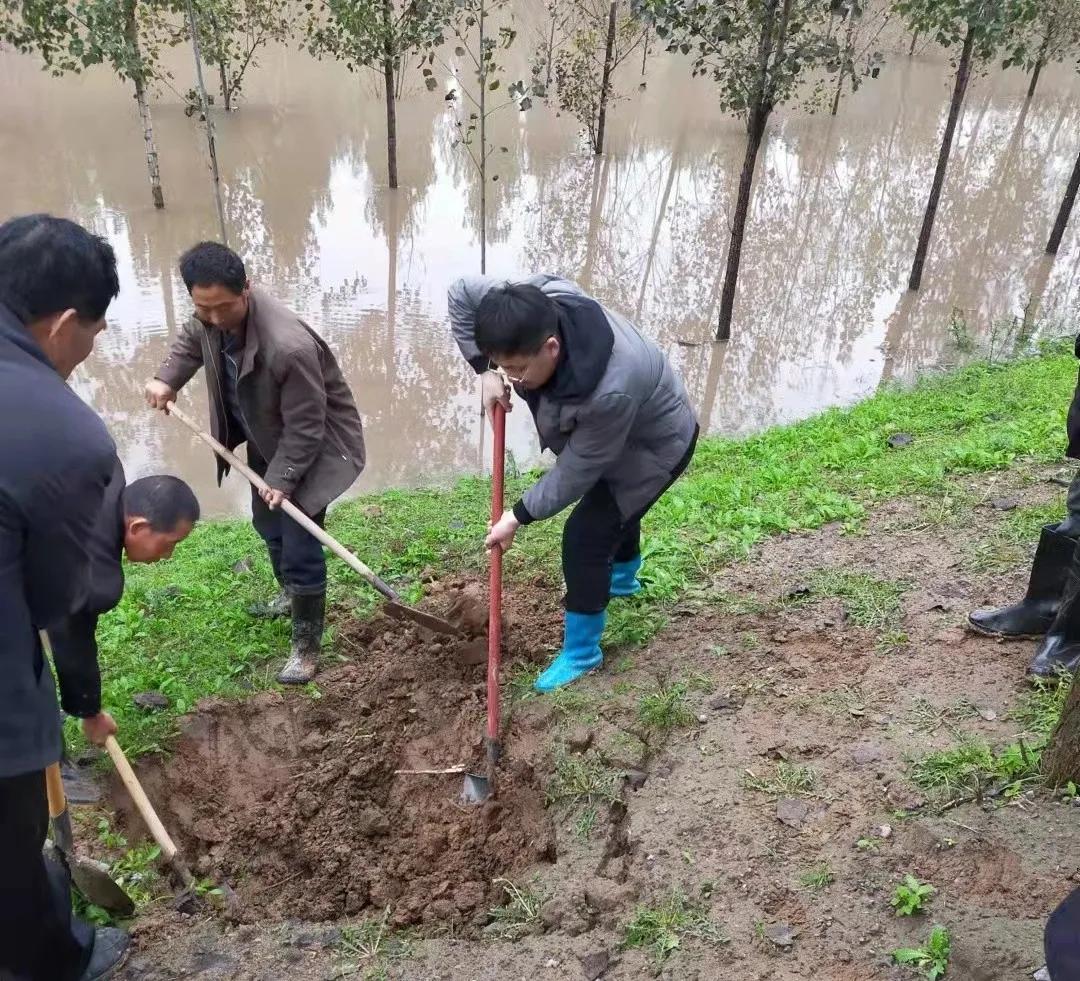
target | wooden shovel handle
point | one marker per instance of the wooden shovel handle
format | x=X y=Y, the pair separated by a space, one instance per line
x=54 y=787
x=289 y=508
x=142 y=802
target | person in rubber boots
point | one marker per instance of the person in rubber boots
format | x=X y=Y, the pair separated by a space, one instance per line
x=606 y=401
x=145 y=521
x=274 y=384
x=1050 y=608
x=56 y=283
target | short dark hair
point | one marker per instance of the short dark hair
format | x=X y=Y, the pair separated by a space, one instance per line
x=48 y=265
x=162 y=500
x=213 y=264
x=515 y=318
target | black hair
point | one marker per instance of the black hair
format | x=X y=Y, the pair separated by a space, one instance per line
x=213 y=264
x=48 y=265
x=162 y=500
x=515 y=318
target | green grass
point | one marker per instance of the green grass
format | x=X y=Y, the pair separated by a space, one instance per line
x=665 y=708
x=520 y=910
x=1014 y=539
x=182 y=627
x=787 y=780
x=370 y=947
x=660 y=929
x=971 y=767
x=868 y=601
x=582 y=780
x=818 y=877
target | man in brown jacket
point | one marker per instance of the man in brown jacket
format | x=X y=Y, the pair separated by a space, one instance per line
x=274 y=384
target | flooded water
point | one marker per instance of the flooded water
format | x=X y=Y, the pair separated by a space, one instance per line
x=822 y=316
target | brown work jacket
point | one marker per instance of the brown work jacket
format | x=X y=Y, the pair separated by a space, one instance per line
x=296 y=406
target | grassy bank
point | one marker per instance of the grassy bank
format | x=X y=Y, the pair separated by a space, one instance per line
x=182 y=628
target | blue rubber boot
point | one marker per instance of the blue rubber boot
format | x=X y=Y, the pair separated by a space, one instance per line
x=624 y=577
x=580 y=652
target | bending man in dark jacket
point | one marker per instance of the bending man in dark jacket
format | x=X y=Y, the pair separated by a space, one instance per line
x=606 y=401
x=144 y=520
x=273 y=384
x=56 y=282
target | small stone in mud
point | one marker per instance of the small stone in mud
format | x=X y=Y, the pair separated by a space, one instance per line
x=580 y=739
x=468 y=896
x=150 y=701
x=782 y=934
x=863 y=753
x=1005 y=504
x=594 y=965
x=308 y=803
x=725 y=703
x=792 y=812
x=635 y=779
x=898 y=440
x=370 y=822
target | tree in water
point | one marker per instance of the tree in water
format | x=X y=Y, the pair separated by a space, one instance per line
x=476 y=72
x=1054 y=36
x=232 y=33
x=126 y=35
x=761 y=54
x=601 y=35
x=381 y=35
x=984 y=30
x=1065 y=212
x=859 y=56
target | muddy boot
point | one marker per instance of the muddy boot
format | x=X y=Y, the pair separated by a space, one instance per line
x=1033 y=615
x=308 y=614
x=1060 y=649
x=109 y=952
x=580 y=652
x=280 y=605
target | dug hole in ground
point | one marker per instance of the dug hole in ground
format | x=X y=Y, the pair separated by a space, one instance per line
x=738 y=800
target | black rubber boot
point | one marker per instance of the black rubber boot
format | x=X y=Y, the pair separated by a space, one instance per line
x=1060 y=649
x=273 y=609
x=308 y=615
x=108 y=955
x=1033 y=615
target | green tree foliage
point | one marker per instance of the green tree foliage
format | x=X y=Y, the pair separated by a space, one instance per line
x=1054 y=36
x=381 y=35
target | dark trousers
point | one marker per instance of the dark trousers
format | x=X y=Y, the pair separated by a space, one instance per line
x=298 y=559
x=1062 y=940
x=596 y=535
x=39 y=938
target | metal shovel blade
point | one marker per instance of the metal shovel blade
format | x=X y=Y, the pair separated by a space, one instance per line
x=476 y=790
x=399 y=611
x=92 y=879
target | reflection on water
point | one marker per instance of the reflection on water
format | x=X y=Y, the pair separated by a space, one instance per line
x=822 y=316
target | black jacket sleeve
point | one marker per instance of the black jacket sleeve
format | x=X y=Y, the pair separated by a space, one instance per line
x=75 y=656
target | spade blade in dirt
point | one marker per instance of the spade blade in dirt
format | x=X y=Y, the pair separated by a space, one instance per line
x=399 y=611
x=477 y=789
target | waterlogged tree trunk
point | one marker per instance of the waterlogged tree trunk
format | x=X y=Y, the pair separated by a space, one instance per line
x=211 y=144
x=605 y=81
x=483 y=145
x=848 y=44
x=1054 y=245
x=1040 y=60
x=1061 y=760
x=755 y=134
x=914 y=41
x=391 y=101
x=226 y=90
x=131 y=31
x=963 y=74
x=551 y=47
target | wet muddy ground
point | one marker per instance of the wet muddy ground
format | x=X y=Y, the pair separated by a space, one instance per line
x=293 y=800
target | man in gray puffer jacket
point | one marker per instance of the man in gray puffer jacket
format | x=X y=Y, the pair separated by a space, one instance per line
x=608 y=404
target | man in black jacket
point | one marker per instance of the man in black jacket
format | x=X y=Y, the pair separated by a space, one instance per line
x=56 y=282
x=145 y=521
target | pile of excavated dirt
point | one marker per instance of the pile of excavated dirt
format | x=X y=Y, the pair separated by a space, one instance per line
x=295 y=803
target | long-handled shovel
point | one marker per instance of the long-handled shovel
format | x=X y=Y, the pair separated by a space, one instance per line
x=394 y=606
x=91 y=878
x=479 y=788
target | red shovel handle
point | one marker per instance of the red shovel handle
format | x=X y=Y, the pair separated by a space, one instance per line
x=495 y=586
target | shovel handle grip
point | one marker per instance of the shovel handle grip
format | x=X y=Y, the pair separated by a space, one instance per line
x=289 y=508
x=142 y=802
x=495 y=583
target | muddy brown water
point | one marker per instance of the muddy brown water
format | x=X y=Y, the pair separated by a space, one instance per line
x=822 y=316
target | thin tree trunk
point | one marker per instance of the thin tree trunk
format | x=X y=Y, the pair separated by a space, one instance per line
x=131 y=31
x=391 y=101
x=1054 y=245
x=645 y=51
x=1061 y=760
x=1040 y=60
x=755 y=134
x=661 y=215
x=210 y=143
x=226 y=91
x=963 y=74
x=605 y=81
x=914 y=41
x=483 y=145
x=848 y=39
x=551 y=48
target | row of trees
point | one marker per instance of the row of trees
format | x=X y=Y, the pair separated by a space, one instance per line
x=761 y=54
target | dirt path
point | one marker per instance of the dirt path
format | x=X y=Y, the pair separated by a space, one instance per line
x=798 y=689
